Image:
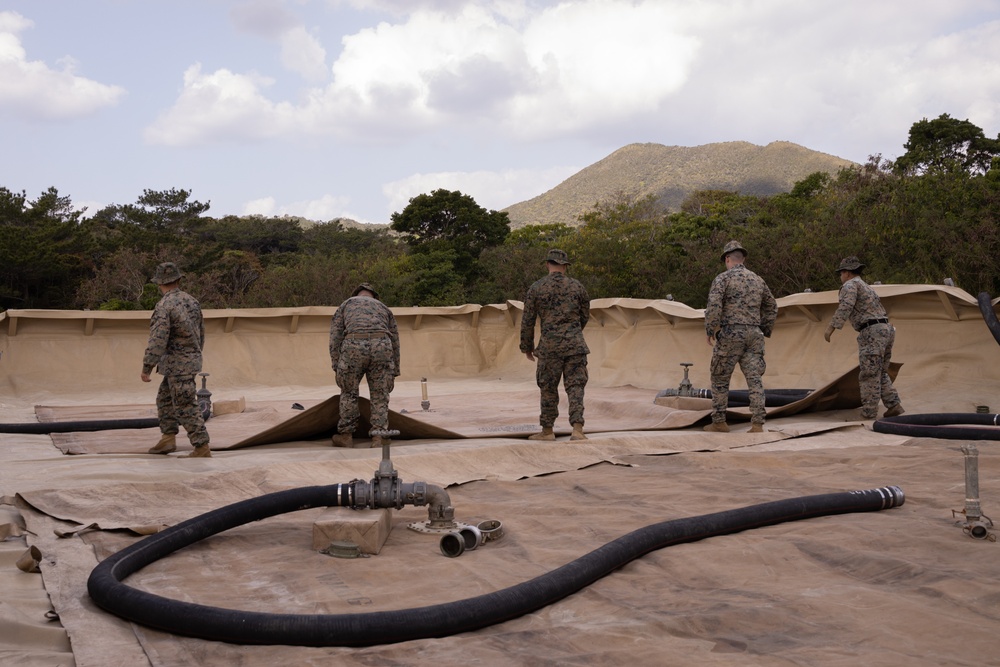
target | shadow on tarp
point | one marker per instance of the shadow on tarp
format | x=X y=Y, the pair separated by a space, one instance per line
x=844 y=393
x=321 y=420
x=479 y=415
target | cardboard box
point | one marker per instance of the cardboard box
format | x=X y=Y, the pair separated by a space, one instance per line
x=369 y=529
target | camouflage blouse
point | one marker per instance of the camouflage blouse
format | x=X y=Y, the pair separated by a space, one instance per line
x=176 y=336
x=363 y=315
x=740 y=296
x=563 y=306
x=859 y=303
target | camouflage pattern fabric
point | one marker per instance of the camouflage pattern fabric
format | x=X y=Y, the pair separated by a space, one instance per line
x=874 y=354
x=176 y=339
x=176 y=336
x=360 y=315
x=860 y=304
x=364 y=342
x=573 y=371
x=740 y=296
x=177 y=405
x=563 y=306
x=744 y=345
x=741 y=312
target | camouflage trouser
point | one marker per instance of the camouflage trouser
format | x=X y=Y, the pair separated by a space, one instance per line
x=372 y=358
x=874 y=352
x=177 y=405
x=573 y=371
x=743 y=345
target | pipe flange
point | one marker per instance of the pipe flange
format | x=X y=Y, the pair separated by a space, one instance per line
x=492 y=530
x=440 y=528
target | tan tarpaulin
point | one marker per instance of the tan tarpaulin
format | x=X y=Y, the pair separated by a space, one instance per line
x=904 y=586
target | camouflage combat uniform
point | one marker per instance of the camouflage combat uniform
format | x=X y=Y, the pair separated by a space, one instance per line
x=860 y=304
x=364 y=341
x=176 y=339
x=741 y=312
x=563 y=306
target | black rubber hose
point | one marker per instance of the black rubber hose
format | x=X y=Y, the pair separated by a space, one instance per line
x=79 y=426
x=385 y=627
x=739 y=398
x=936 y=425
x=989 y=315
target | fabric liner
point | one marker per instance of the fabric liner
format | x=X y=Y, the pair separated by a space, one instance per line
x=902 y=586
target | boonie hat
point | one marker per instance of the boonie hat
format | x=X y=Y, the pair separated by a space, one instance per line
x=167 y=273
x=365 y=287
x=733 y=246
x=852 y=264
x=557 y=256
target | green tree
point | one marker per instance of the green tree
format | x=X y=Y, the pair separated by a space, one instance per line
x=619 y=250
x=120 y=283
x=270 y=239
x=446 y=224
x=508 y=270
x=947 y=143
x=43 y=255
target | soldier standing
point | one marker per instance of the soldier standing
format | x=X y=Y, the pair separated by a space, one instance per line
x=740 y=314
x=563 y=306
x=860 y=304
x=364 y=341
x=176 y=339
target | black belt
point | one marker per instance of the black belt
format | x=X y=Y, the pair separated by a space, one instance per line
x=881 y=320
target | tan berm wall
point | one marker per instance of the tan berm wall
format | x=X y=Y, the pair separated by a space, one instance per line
x=942 y=340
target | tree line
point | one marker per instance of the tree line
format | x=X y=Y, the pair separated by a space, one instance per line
x=933 y=213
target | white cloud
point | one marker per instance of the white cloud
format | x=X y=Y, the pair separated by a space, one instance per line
x=473 y=66
x=302 y=53
x=219 y=106
x=325 y=208
x=491 y=189
x=615 y=71
x=30 y=89
x=267 y=18
x=263 y=206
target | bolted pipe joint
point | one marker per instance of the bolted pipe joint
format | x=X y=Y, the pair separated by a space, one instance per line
x=975 y=526
x=979 y=530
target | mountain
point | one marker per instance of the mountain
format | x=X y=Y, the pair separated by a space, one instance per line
x=671 y=173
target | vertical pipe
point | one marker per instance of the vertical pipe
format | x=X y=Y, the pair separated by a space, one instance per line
x=973 y=510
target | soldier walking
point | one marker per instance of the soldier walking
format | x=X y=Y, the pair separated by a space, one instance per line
x=364 y=341
x=563 y=306
x=740 y=314
x=176 y=339
x=860 y=304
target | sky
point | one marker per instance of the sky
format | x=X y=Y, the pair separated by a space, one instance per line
x=349 y=108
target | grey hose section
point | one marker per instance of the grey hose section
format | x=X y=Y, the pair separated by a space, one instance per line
x=385 y=627
x=989 y=315
x=88 y=425
x=941 y=425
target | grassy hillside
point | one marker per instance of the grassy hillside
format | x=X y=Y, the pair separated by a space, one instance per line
x=671 y=173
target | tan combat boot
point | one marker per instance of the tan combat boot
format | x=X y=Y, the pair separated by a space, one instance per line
x=342 y=440
x=894 y=411
x=756 y=428
x=167 y=444
x=578 y=433
x=546 y=434
x=717 y=427
x=202 y=452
